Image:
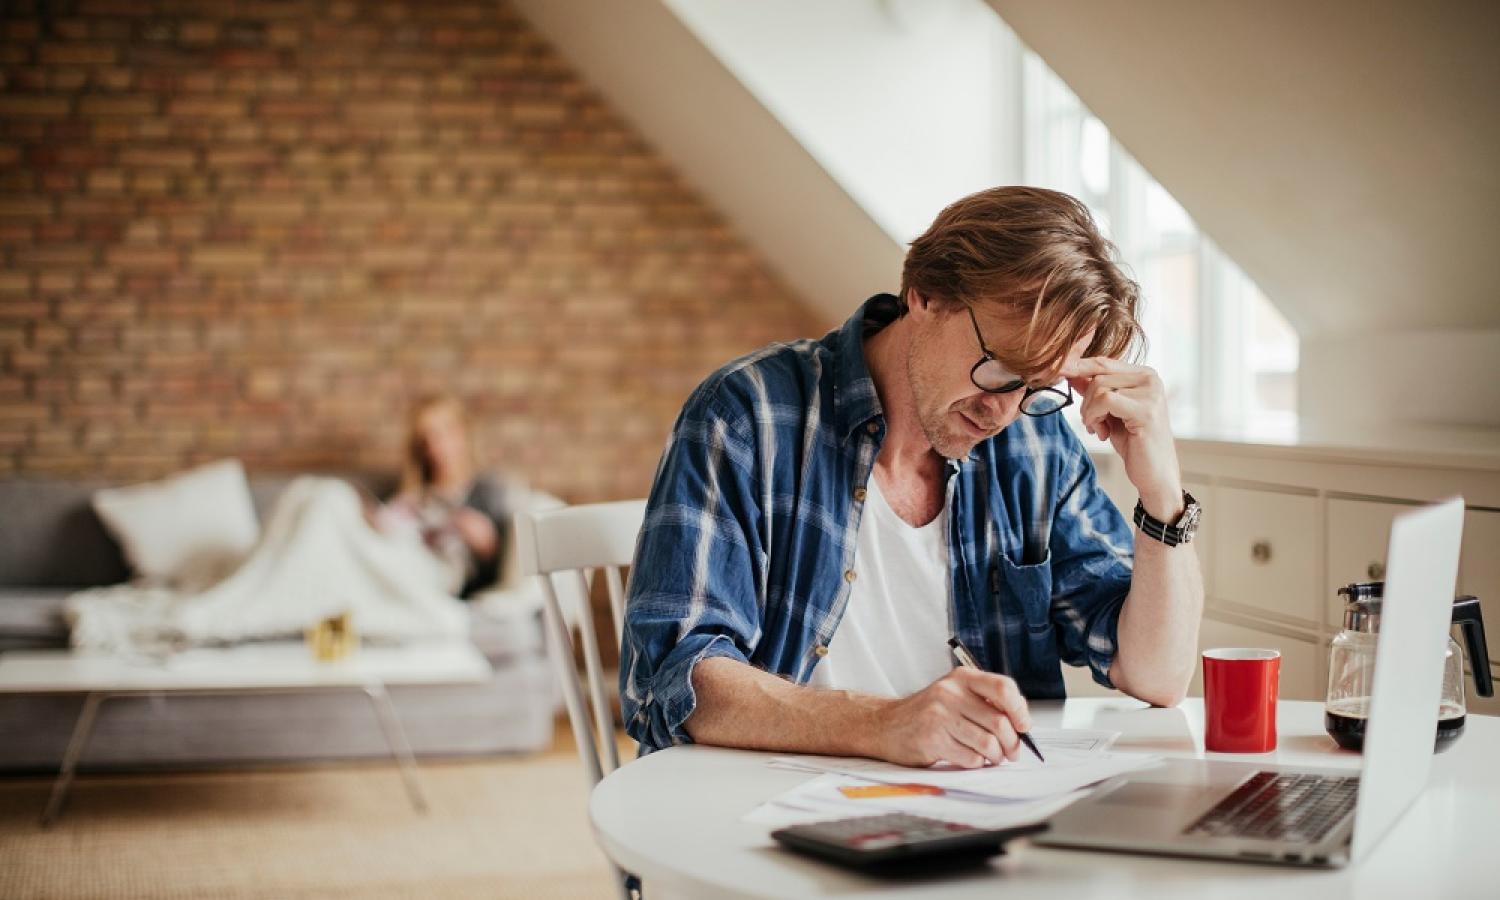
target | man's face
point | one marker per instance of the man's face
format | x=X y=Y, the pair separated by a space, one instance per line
x=954 y=414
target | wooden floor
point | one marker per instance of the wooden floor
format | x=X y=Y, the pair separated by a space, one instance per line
x=502 y=827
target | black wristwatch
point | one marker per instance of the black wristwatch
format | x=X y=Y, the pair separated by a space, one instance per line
x=1179 y=532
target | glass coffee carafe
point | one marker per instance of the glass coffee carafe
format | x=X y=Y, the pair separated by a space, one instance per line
x=1351 y=667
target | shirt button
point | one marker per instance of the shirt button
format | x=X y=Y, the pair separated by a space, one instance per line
x=849 y=576
x=860 y=494
x=821 y=650
x=873 y=428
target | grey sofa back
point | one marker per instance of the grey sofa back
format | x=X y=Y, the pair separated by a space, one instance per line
x=50 y=537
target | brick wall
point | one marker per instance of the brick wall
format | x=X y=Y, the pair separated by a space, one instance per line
x=258 y=229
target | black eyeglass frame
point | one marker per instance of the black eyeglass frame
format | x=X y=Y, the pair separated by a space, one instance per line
x=1013 y=386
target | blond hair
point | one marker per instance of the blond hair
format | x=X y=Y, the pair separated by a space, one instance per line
x=415 y=474
x=1038 y=254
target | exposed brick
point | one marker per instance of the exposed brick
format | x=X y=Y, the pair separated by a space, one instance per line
x=106 y=181
x=113 y=131
x=198 y=33
x=261 y=229
x=207 y=108
x=382 y=109
x=57 y=256
x=159 y=157
x=211 y=258
x=132 y=258
x=20 y=106
x=56 y=282
x=146 y=182
x=14 y=207
x=103 y=106
x=442 y=207
x=76 y=54
x=240 y=157
x=395 y=257
x=271 y=209
x=238 y=58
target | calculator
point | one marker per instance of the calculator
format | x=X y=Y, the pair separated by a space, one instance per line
x=896 y=838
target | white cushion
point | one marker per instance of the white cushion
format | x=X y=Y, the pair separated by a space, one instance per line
x=188 y=530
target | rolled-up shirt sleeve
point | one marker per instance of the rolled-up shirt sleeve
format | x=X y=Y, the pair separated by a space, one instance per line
x=694 y=584
x=1093 y=556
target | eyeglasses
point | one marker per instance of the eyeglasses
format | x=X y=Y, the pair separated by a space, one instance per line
x=993 y=378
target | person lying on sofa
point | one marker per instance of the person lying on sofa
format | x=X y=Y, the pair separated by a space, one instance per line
x=396 y=569
x=461 y=514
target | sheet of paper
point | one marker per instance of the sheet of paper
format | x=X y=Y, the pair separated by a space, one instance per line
x=1082 y=739
x=1064 y=771
x=832 y=796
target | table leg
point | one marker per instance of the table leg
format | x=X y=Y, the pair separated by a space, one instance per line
x=395 y=736
x=81 y=731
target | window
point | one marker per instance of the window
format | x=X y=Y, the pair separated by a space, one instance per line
x=1227 y=356
x=912 y=105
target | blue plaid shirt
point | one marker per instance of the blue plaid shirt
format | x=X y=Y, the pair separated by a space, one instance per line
x=752 y=521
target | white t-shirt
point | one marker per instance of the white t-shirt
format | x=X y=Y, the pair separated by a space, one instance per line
x=893 y=638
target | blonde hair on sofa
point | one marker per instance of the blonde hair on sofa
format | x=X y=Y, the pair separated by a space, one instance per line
x=415 y=472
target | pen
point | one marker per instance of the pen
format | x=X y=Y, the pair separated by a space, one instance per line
x=965 y=658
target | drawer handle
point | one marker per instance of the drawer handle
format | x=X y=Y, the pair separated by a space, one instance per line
x=1376 y=570
x=1260 y=551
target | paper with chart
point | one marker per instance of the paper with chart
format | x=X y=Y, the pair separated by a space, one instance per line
x=997 y=796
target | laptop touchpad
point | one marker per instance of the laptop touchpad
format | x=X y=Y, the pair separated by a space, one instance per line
x=1154 y=793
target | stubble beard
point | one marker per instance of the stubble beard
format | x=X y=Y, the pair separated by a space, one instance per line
x=934 y=422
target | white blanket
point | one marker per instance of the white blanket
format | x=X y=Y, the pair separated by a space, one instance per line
x=316 y=557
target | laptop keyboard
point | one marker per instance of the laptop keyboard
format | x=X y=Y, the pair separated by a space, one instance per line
x=1278 y=806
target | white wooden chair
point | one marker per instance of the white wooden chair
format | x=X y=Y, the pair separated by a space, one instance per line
x=565 y=546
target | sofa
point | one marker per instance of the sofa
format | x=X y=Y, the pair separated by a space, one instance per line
x=52 y=544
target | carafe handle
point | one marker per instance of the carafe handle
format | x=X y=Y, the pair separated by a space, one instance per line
x=1466 y=612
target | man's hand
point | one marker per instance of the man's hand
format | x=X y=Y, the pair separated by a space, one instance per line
x=1127 y=406
x=968 y=718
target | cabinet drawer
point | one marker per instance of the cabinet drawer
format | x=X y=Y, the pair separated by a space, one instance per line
x=1266 y=549
x=1301 y=658
x=1359 y=532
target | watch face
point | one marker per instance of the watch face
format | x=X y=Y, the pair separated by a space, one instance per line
x=1189 y=521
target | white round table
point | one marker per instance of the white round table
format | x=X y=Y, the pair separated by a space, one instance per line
x=674 y=819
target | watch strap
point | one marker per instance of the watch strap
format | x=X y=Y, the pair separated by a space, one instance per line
x=1171 y=535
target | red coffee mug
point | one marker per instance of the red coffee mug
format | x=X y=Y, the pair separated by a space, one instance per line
x=1240 y=685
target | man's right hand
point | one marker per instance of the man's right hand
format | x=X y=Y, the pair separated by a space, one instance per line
x=968 y=718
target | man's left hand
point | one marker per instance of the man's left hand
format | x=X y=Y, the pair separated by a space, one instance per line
x=1127 y=405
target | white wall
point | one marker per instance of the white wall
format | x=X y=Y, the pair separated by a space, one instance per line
x=1426 y=376
x=661 y=78
x=907 y=104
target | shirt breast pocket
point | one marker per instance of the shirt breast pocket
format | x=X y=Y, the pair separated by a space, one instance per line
x=1026 y=611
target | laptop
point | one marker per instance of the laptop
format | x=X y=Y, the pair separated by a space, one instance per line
x=1295 y=815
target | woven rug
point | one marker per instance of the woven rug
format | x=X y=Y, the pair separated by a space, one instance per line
x=497 y=828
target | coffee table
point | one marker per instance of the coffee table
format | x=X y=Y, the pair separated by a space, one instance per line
x=270 y=668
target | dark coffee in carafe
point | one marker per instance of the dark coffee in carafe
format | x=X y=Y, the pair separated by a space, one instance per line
x=1345 y=721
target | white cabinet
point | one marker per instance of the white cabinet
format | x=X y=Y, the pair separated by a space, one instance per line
x=1358 y=535
x=1302 y=656
x=1266 y=551
x=1286 y=524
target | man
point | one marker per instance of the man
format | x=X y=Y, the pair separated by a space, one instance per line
x=828 y=513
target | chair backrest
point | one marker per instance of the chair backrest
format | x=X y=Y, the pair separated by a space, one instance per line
x=563 y=547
